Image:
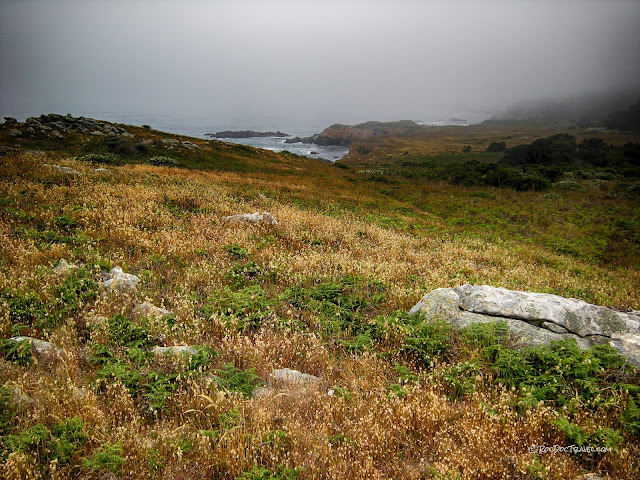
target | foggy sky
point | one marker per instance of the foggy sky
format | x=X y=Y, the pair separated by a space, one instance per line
x=369 y=59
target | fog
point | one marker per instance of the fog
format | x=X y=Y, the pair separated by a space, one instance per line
x=342 y=60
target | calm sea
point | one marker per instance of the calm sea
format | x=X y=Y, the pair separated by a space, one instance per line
x=198 y=125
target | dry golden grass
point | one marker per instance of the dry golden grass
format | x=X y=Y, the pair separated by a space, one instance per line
x=166 y=225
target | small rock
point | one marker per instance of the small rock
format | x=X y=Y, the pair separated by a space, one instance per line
x=31 y=131
x=117 y=280
x=97 y=133
x=56 y=134
x=293 y=377
x=176 y=350
x=15 y=132
x=148 y=309
x=41 y=347
x=102 y=170
x=62 y=169
x=264 y=218
x=63 y=267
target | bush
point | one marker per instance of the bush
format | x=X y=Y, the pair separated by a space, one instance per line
x=20 y=352
x=161 y=161
x=107 y=458
x=234 y=380
x=102 y=158
x=497 y=147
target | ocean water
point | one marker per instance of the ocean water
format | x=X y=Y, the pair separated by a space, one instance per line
x=198 y=125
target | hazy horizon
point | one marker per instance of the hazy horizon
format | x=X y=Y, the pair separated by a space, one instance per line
x=344 y=61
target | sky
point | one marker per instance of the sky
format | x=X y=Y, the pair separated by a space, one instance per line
x=348 y=59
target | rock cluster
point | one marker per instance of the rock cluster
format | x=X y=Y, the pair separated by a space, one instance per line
x=55 y=125
x=536 y=318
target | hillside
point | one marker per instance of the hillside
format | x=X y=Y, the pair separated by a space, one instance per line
x=324 y=290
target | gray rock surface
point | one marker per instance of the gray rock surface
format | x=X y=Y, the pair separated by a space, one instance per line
x=40 y=347
x=64 y=267
x=148 y=309
x=293 y=377
x=576 y=316
x=535 y=318
x=117 y=280
x=176 y=350
x=62 y=169
x=264 y=218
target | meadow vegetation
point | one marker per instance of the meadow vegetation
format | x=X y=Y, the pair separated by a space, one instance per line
x=325 y=292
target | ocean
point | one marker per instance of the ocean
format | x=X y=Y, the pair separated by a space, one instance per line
x=199 y=125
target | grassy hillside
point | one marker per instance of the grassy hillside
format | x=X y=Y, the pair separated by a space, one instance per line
x=325 y=292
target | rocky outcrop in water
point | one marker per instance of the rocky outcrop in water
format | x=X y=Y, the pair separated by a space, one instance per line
x=536 y=318
x=246 y=134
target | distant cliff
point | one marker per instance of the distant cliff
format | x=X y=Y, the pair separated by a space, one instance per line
x=343 y=134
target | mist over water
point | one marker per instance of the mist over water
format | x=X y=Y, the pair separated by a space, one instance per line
x=196 y=66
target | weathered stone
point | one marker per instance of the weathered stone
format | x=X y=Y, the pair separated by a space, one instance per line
x=117 y=280
x=40 y=347
x=97 y=133
x=14 y=132
x=523 y=333
x=62 y=169
x=148 y=309
x=286 y=377
x=56 y=134
x=535 y=318
x=293 y=377
x=31 y=130
x=175 y=350
x=577 y=316
x=9 y=121
x=63 y=267
x=627 y=344
x=264 y=218
x=442 y=303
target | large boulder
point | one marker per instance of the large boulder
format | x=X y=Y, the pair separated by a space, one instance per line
x=535 y=318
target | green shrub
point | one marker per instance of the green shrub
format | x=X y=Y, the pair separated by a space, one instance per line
x=62 y=443
x=497 y=147
x=107 y=457
x=20 y=352
x=236 y=250
x=234 y=380
x=261 y=473
x=428 y=340
x=127 y=333
x=102 y=158
x=160 y=161
x=246 y=308
x=8 y=411
x=119 y=372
